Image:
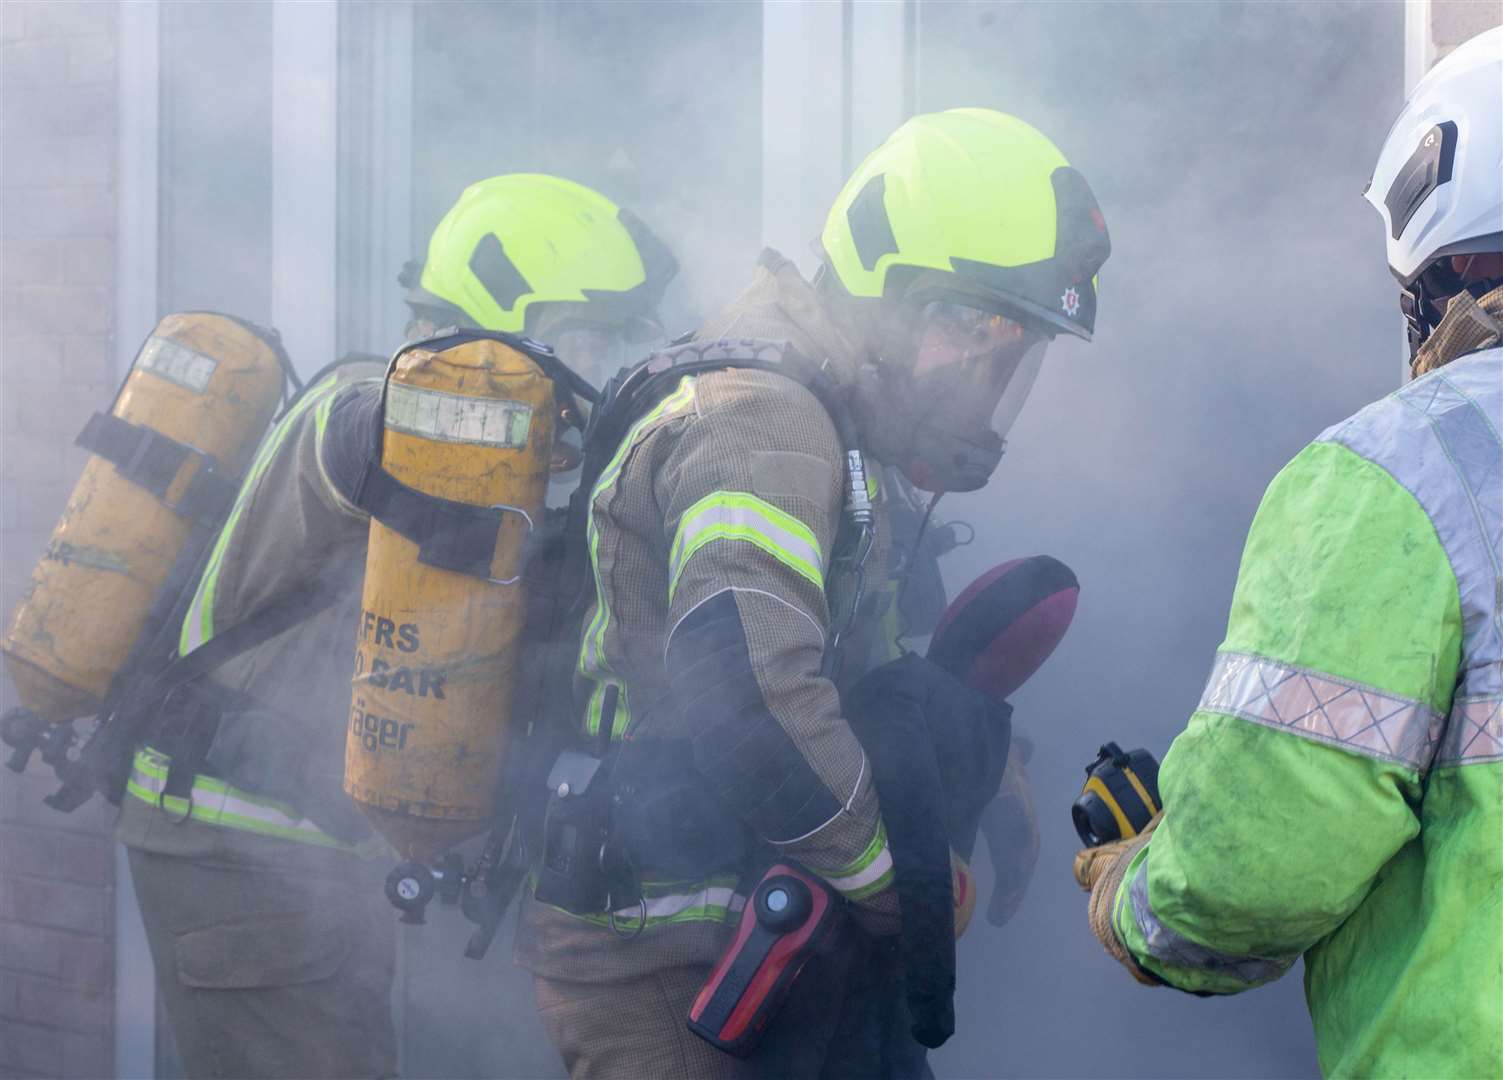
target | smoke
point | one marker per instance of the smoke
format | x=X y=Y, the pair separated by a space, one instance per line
x=1245 y=307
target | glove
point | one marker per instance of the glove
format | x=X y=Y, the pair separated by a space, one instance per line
x=1010 y=826
x=965 y=894
x=1099 y=871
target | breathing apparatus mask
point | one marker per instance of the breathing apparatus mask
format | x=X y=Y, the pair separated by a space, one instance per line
x=943 y=417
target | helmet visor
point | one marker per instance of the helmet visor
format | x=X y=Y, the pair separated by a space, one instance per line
x=976 y=367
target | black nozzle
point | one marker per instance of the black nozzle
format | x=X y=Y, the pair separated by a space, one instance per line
x=409 y=888
x=25 y=733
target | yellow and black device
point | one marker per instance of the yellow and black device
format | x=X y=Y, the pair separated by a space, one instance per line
x=468 y=426
x=1120 y=797
x=167 y=454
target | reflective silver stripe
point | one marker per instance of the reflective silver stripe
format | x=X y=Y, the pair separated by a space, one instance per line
x=736 y=515
x=1474 y=732
x=872 y=878
x=177 y=363
x=217 y=803
x=1167 y=947
x=713 y=903
x=1324 y=708
x=457 y=418
x=711 y=900
x=1438 y=438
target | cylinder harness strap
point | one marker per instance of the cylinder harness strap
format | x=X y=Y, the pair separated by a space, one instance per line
x=152 y=461
x=455 y=536
x=450 y=535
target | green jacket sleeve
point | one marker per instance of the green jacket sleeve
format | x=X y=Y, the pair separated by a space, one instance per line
x=1297 y=777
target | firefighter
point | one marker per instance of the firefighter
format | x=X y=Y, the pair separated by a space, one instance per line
x=1337 y=794
x=722 y=583
x=271 y=938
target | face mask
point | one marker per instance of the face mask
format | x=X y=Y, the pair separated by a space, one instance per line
x=972 y=372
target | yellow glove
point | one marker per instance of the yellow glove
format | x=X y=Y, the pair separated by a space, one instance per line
x=964 y=887
x=1099 y=871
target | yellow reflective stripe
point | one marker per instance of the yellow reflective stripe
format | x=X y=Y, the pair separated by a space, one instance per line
x=214 y=802
x=198 y=625
x=734 y=515
x=592 y=664
x=321 y=417
x=595 y=710
x=869 y=873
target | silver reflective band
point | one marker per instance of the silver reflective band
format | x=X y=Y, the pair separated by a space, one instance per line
x=870 y=878
x=432 y=414
x=1474 y=732
x=1167 y=947
x=708 y=902
x=1323 y=708
x=214 y=802
x=177 y=363
x=1438 y=438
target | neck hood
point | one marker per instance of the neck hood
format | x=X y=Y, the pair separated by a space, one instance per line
x=780 y=305
x=1471 y=323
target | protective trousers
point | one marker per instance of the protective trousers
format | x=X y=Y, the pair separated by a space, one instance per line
x=269 y=974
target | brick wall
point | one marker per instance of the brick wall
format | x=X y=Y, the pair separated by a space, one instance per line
x=57 y=226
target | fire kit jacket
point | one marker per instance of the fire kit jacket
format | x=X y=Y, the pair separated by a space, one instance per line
x=718 y=515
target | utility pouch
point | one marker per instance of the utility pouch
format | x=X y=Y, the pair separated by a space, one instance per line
x=576 y=826
x=791 y=916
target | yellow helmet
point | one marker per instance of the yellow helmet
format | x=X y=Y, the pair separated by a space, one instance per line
x=514 y=242
x=975 y=206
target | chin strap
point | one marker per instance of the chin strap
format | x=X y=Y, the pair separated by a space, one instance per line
x=1473 y=320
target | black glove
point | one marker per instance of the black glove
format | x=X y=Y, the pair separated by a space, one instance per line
x=970 y=734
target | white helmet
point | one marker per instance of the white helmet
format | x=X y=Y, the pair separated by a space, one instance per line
x=1439 y=178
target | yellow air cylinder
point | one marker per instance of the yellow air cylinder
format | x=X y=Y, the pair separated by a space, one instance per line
x=436 y=648
x=201 y=379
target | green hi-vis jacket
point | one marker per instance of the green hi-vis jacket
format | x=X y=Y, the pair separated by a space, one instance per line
x=1338 y=794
